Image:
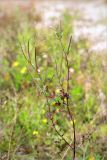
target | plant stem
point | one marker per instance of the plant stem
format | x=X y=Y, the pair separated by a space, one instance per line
x=74 y=144
x=70 y=114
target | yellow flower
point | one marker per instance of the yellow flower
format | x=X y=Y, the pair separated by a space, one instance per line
x=15 y=64
x=57 y=91
x=92 y=158
x=6 y=77
x=72 y=121
x=43 y=111
x=65 y=99
x=23 y=70
x=53 y=103
x=44 y=120
x=35 y=132
x=91 y=122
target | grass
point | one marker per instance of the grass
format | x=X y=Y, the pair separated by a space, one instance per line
x=26 y=131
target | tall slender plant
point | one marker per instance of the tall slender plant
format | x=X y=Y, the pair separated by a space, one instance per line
x=63 y=100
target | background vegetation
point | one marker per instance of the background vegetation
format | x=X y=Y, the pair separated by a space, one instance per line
x=26 y=131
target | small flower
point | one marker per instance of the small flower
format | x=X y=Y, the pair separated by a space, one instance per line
x=43 y=111
x=91 y=157
x=44 y=120
x=57 y=91
x=15 y=64
x=65 y=99
x=35 y=132
x=72 y=121
x=39 y=71
x=53 y=103
x=23 y=70
x=45 y=56
x=71 y=70
x=6 y=77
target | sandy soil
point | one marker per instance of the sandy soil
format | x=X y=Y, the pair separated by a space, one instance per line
x=91 y=24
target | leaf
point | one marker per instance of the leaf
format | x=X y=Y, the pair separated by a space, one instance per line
x=50 y=73
x=77 y=93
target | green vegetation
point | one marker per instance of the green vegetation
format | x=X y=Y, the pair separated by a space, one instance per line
x=26 y=131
